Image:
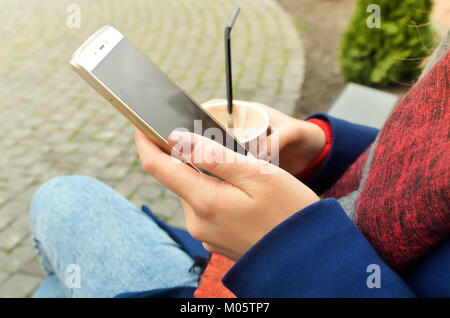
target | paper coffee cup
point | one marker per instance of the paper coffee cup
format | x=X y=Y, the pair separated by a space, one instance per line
x=250 y=122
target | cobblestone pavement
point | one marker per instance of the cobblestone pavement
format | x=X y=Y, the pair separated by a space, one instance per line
x=52 y=123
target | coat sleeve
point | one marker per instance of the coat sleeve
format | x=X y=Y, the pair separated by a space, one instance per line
x=349 y=141
x=430 y=277
x=317 y=252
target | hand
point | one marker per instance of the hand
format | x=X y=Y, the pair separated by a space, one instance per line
x=300 y=142
x=230 y=215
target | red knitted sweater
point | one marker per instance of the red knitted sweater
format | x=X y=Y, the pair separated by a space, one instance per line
x=403 y=208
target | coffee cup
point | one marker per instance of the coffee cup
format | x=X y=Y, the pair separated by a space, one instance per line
x=250 y=122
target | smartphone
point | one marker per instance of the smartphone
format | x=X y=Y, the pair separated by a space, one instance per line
x=139 y=90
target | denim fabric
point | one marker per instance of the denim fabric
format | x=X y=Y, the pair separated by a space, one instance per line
x=113 y=246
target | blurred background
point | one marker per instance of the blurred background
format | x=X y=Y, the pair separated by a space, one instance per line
x=294 y=55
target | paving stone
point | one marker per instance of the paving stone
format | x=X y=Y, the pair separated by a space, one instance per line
x=150 y=193
x=33 y=268
x=2 y=199
x=19 y=285
x=14 y=234
x=106 y=135
x=163 y=208
x=129 y=184
x=19 y=183
x=17 y=258
x=4 y=274
x=116 y=172
x=10 y=212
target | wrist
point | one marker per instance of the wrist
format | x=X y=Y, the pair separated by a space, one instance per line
x=316 y=137
x=322 y=138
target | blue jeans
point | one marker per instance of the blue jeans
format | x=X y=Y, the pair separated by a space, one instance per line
x=92 y=242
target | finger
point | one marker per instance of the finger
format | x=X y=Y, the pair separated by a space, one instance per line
x=198 y=222
x=222 y=251
x=270 y=147
x=192 y=221
x=172 y=173
x=211 y=156
x=278 y=139
x=202 y=230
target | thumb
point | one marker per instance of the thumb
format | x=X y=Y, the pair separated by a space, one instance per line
x=213 y=157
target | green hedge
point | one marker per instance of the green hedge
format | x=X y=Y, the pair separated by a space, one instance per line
x=390 y=54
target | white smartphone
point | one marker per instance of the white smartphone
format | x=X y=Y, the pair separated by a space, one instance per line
x=144 y=94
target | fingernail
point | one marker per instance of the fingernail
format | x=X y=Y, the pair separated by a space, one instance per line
x=176 y=136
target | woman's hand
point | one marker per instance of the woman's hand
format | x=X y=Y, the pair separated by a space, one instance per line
x=230 y=215
x=300 y=142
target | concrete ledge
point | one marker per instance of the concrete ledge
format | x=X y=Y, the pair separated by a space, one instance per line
x=363 y=105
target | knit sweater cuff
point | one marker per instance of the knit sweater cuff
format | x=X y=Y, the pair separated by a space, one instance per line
x=314 y=166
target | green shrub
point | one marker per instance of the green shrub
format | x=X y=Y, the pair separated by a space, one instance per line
x=389 y=54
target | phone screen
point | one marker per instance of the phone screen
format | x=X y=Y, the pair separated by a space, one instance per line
x=153 y=96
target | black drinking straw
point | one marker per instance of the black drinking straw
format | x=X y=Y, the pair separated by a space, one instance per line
x=228 y=65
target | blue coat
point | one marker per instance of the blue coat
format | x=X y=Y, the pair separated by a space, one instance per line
x=319 y=251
